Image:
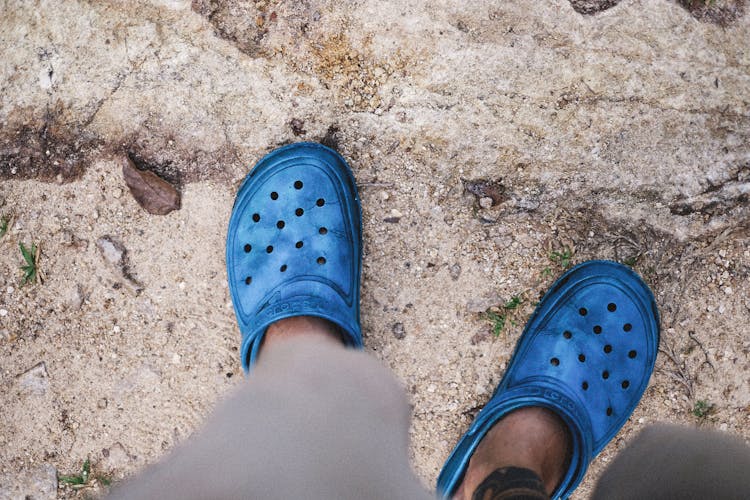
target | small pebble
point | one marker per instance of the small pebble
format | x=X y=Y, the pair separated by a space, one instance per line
x=35 y=379
x=728 y=290
x=398 y=330
x=485 y=202
x=102 y=403
x=74 y=298
x=10 y=290
x=3 y=312
x=455 y=271
x=112 y=250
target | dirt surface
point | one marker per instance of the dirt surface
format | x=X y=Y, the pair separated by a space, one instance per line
x=493 y=144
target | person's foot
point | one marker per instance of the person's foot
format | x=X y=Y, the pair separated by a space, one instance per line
x=531 y=438
x=294 y=249
x=586 y=354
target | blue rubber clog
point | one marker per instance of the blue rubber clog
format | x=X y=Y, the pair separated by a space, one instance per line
x=587 y=354
x=294 y=244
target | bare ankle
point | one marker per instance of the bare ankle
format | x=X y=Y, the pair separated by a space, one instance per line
x=296 y=326
x=532 y=438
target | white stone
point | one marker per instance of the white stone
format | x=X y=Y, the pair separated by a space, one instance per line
x=35 y=379
x=112 y=251
x=39 y=483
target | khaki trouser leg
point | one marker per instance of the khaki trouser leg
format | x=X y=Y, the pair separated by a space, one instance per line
x=314 y=421
x=669 y=461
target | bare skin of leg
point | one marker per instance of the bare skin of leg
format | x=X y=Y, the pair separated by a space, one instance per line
x=531 y=438
x=309 y=326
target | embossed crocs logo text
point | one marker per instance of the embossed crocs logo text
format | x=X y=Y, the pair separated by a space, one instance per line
x=552 y=395
x=295 y=306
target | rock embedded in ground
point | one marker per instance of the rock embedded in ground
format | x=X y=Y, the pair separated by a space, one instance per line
x=721 y=12
x=112 y=250
x=153 y=193
x=116 y=255
x=589 y=7
x=481 y=304
x=34 y=380
x=37 y=483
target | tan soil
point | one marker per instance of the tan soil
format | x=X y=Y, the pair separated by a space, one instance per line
x=622 y=135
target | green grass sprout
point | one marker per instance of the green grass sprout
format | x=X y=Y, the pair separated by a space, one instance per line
x=31 y=256
x=79 y=479
x=500 y=319
x=497 y=320
x=702 y=409
x=513 y=303
x=4 y=224
x=563 y=258
x=630 y=261
x=84 y=478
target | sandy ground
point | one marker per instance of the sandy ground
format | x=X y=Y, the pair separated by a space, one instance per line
x=623 y=134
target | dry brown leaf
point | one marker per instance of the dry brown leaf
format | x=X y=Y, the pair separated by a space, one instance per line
x=153 y=193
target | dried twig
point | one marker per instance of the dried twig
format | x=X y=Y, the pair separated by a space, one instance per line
x=375 y=184
x=707 y=361
x=681 y=375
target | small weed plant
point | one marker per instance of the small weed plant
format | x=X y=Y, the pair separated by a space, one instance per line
x=30 y=269
x=4 y=224
x=81 y=480
x=630 y=261
x=497 y=320
x=500 y=318
x=562 y=257
x=513 y=303
x=702 y=409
